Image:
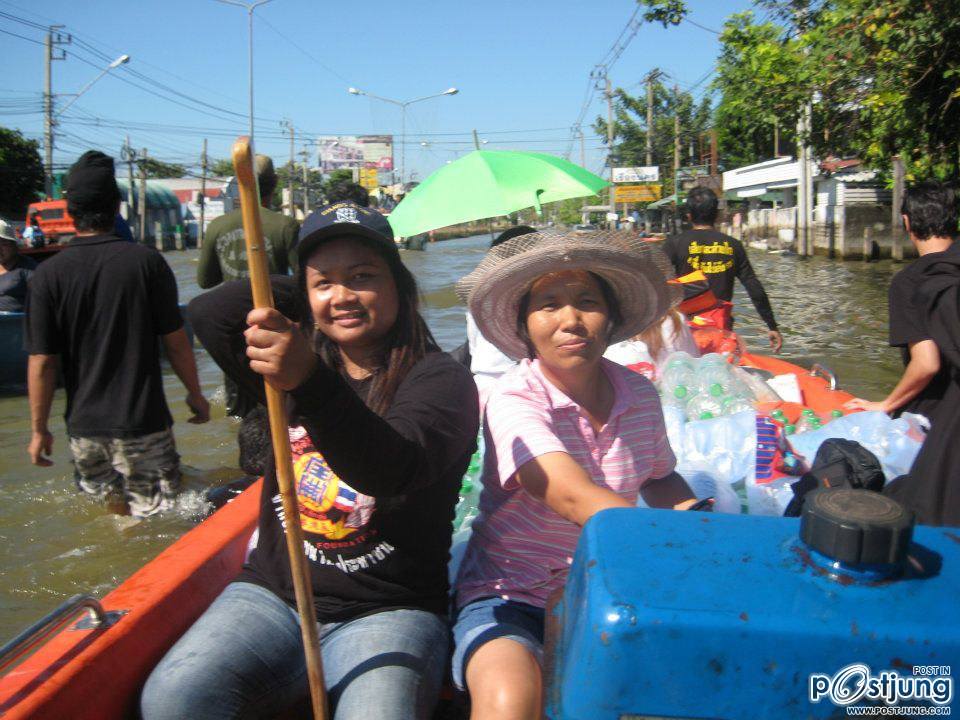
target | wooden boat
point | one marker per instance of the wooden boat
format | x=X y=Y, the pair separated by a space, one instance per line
x=98 y=672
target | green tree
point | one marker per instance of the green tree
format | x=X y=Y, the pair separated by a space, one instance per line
x=21 y=173
x=159 y=169
x=221 y=168
x=630 y=128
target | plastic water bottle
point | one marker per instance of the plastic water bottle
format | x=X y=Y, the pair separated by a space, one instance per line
x=678 y=380
x=733 y=404
x=779 y=417
x=808 y=421
x=704 y=407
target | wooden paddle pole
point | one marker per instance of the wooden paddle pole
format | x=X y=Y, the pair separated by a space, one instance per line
x=279 y=434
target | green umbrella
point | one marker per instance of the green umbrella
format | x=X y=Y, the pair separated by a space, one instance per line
x=489 y=183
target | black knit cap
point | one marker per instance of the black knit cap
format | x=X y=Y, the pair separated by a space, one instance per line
x=91 y=182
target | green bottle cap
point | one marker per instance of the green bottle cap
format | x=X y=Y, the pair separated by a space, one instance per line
x=790 y=429
x=716 y=389
x=836 y=413
x=808 y=412
x=680 y=392
x=466 y=487
x=706 y=415
x=778 y=413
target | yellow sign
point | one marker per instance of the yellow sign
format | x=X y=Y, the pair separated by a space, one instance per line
x=368 y=178
x=636 y=193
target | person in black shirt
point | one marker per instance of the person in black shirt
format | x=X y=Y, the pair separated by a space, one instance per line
x=99 y=307
x=382 y=427
x=15 y=270
x=930 y=218
x=720 y=257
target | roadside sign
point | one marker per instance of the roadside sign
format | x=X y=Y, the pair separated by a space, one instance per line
x=642 y=174
x=636 y=193
x=368 y=178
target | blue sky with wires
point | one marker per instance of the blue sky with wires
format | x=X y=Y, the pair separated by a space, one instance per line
x=522 y=70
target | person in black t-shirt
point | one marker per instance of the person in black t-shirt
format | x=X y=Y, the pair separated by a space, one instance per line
x=720 y=257
x=930 y=218
x=98 y=307
x=382 y=427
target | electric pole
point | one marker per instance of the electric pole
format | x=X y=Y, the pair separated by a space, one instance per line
x=203 y=195
x=305 y=154
x=129 y=155
x=676 y=143
x=583 y=154
x=143 y=195
x=292 y=168
x=651 y=76
x=53 y=39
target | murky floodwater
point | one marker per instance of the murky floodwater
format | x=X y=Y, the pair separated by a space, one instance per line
x=54 y=542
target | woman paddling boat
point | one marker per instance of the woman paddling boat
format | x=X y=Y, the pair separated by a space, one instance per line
x=384 y=426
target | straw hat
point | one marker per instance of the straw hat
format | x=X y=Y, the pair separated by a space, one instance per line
x=637 y=271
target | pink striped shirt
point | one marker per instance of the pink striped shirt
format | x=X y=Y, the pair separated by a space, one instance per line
x=520 y=548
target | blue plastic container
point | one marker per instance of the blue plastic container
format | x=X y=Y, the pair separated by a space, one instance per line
x=689 y=615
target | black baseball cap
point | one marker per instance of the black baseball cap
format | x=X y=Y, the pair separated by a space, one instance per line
x=345 y=219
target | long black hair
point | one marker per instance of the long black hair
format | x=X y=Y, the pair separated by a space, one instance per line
x=407 y=342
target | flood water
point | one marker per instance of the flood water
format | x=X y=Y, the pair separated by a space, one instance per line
x=55 y=543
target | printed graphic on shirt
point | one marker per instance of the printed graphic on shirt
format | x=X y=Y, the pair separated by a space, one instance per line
x=232 y=251
x=328 y=505
x=697 y=261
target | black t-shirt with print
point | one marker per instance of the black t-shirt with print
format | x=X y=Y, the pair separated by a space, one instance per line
x=376 y=494
x=101 y=304
x=722 y=259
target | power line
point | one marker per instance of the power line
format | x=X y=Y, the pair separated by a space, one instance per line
x=702 y=27
x=22 y=37
x=262 y=19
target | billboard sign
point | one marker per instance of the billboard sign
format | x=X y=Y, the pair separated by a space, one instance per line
x=636 y=193
x=369 y=179
x=353 y=152
x=642 y=174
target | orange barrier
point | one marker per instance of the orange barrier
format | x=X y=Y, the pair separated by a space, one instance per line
x=98 y=673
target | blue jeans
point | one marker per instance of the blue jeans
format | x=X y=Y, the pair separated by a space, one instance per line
x=244 y=659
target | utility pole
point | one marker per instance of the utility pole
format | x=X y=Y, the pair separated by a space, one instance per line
x=201 y=229
x=805 y=179
x=305 y=154
x=676 y=143
x=292 y=168
x=896 y=219
x=583 y=154
x=53 y=39
x=776 y=138
x=128 y=155
x=651 y=76
x=608 y=91
x=143 y=195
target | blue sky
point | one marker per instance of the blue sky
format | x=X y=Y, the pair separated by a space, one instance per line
x=521 y=67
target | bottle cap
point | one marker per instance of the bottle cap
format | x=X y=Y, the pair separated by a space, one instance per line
x=706 y=415
x=856 y=526
x=807 y=412
x=716 y=389
x=789 y=429
x=680 y=392
x=836 y=413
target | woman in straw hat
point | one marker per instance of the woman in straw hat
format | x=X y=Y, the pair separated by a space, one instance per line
x=568 y=434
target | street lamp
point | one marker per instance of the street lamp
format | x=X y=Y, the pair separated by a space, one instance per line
x=123 y=59
x=403 y=116
x=249 y=7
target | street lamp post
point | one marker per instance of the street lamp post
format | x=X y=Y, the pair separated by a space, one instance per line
x=122 y=60
x=403 y=118
x=249 y=7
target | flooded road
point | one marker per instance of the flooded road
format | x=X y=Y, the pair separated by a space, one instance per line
x=55 y=543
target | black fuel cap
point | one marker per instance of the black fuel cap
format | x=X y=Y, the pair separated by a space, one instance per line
x=856 y=526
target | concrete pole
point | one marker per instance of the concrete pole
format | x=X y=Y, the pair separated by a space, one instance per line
x=650 y=78
x=776 y=138
x=48 y=116
x=291 y=171
x=803 y=199
x=608 y=91
x=143 y=195
x=896 y=221
x=201 y=230
x=306 y=180
x=583 y=154
x=676 y=143
x=131 y=198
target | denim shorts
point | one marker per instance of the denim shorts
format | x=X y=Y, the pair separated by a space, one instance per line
x=490 y=618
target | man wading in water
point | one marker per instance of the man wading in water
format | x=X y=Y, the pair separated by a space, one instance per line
x=720 y=257
x=99 y=306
